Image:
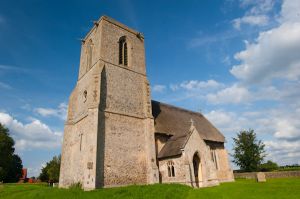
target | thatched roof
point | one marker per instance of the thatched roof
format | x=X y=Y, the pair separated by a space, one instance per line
x=177 y=122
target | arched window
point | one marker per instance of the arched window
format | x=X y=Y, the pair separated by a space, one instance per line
x=123 y=51
x=89 y=54
x=171 y=169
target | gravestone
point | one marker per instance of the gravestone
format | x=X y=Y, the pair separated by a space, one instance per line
x=260 y=177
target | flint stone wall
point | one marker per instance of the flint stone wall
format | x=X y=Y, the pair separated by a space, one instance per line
x=274 y=174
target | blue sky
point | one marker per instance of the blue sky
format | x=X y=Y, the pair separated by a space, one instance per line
x=237 y=62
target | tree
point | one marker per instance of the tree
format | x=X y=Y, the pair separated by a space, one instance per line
x=51 y=171
x=10 y=163
x=44 y=175
x=268 y=166
x=248 y=151
x=54 y=169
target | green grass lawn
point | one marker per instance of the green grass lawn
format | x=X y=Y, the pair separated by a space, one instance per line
x=273 y=188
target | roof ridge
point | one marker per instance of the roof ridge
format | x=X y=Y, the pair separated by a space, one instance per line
x=178 y=108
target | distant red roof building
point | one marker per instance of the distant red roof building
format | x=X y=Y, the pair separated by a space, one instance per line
x=32 y=180
x=24 y=173
x=24 y=176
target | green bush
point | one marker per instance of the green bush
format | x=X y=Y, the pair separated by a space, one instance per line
x=268 y=166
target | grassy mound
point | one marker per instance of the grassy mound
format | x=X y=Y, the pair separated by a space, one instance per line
x=275 y=189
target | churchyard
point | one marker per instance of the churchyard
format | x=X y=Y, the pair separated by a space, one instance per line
x=241 y=188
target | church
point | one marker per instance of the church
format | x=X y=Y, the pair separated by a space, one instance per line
x=115 y=135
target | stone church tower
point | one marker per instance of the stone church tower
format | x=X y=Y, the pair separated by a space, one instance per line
x=109 y=132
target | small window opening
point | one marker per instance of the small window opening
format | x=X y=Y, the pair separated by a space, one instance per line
x=84 y=96
x=125 y=54
x=120 y=52
x=80 y=144
x=171 y=169
x=123 y=51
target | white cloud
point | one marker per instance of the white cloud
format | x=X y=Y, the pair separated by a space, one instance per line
x=60 y=111
x=33 y=135
x=26 y=107
x=278 y=123
x=290 y=11
x=34 y=171
x=203 y=40
x=174 y=87
x=226 y=60
x=11 y=68
x=196 y=85
x=259 y=20
x=281 y=125
x=275 y=53
x=261 y=6
x=283 y=152
x=256 y=15
x=268 y=93
x=257 y=6
x=286 y=123
x=234 y=94
x=5 y=86
x=230 y=123
x=159 y=88
x=214 y=92
x=286 y=130
x=46 y=111
x=227 y=122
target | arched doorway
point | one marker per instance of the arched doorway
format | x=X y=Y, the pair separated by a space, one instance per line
x=197 y=169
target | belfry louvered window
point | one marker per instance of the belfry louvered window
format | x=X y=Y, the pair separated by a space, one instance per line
x=123 y=51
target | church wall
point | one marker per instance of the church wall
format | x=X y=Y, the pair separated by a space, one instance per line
x=128 y=129
x=79 y=149
x=196 y=144
x=80 y=134
x=79 y=102
x=224 y=171
x=125 y=155
x=125 y=91
x=179 y=167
